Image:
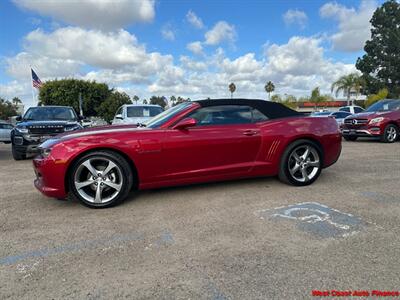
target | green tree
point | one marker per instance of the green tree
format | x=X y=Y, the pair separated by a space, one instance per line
x=136 y=99
x=382 y=94
x=144 y=101
x=66 y=92
x=7 y=109
x=269 y=88
x=381 y=63
x=317 y=98
x=115 y=100
x=158 y=101
x=276 y=98
x=173 y=100
x=347 y=83
x=232 y=89
x=16 y=101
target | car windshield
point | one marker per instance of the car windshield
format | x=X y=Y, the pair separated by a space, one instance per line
x=321 y=113
x=386 y=105
x=44 y=113
x=142 y=111
x=165 y=116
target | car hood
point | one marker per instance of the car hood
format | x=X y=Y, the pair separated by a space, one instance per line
x=46 y=123
x=107 y=129
x=368 y=115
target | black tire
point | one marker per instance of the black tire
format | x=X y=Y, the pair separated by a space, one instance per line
x=350 y=138
x=124 y=172
x=17 y=155
x=284 y=172
x=390 y=138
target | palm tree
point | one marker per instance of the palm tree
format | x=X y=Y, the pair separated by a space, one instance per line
x=232 y=89
x=269 y=88
x=16 y=101
x=136 y=99
x=347 y=83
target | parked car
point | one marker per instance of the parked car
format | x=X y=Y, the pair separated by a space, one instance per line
x=38 y=124
x=193 y=142
x=381 y=120
x=352 y=109
x=136 y=114
x=5 y=132
x=339 y=116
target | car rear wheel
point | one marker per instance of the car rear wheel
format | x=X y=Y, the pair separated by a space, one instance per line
x=17 y=155
x=390 y=134
x=350 y=138
x=101 y=179
x=301 y=163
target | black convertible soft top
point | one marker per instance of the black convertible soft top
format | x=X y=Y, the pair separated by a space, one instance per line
x=272 y=110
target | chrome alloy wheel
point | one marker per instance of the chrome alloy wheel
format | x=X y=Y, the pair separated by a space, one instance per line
x=391 y=134
x=98 y=180
x=304 y=163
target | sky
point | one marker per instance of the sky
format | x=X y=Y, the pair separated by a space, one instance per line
x=182 y=47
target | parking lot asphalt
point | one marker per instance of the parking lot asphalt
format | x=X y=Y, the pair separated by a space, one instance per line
x=248 y=239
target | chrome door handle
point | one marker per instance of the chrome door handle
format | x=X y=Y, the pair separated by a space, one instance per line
x=250 y=132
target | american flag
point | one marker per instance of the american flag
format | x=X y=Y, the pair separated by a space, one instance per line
x=36 y=82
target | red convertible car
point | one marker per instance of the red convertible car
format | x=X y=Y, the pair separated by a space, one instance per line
x=193 y=142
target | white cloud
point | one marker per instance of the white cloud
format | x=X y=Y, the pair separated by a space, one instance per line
x=295 y=68
x=353 y=24
x=195 y=47
x=190 y=64
x=103 y=14
x=221 y=32
x=19 y=66
x=194 y=20
x=91 y=47
x=295 y=17
x=167 y=33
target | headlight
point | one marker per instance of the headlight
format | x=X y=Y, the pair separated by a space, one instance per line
x=22 y=129
x=74 y=127
x=45 y=152
x=376 y=120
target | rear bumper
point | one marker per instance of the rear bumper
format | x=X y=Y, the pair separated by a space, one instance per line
x=49 y=177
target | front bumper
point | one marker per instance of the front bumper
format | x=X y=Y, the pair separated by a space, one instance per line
x=373 y=131
x=49 y=177
x=28 y=143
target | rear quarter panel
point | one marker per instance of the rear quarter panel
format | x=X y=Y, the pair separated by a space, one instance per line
x=278 y=134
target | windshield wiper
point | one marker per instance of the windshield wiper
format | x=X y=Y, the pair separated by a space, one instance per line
x=141 y=125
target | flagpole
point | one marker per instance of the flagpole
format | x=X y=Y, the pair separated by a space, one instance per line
x=33 y=92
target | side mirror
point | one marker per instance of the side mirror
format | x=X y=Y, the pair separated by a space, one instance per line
x=185 y=123
x=18 y=119
x=80 y=118
x=119 y=116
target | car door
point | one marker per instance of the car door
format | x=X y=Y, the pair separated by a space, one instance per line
x=224 y=141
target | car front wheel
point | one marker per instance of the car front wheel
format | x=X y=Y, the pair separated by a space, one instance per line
x=390 y=134
x=101 y=179
x=17 y=155
x=301 y=163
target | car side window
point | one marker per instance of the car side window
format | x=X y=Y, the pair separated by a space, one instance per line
x=222 y=115
x=258 y=116
x=2 y=126
x=7 y=126
x=119 y=111
x=345 y=109
x=358 y=110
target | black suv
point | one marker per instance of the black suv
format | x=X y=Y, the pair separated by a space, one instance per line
x=38 y=124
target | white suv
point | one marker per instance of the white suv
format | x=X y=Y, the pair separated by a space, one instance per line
x=352 y=109
x=134 y=114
